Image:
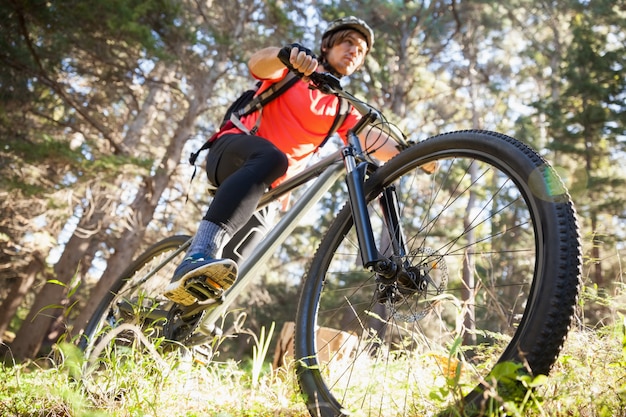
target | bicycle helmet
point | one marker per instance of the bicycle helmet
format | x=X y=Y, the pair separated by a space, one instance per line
x=354 y=23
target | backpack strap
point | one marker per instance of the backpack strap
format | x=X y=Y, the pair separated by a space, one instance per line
x=268 y=95
x=342 y=112
x=261 y=100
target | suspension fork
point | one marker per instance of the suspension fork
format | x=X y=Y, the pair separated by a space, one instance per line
x=391 y=215
x=371 y=257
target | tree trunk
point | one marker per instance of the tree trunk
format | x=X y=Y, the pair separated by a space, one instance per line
x=598 y=276
x=17 y=292
x=468 y=294
x=51 y=300
x=38 y=326
x=469 y=285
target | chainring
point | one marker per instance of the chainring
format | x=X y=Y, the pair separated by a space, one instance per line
x=180 y=328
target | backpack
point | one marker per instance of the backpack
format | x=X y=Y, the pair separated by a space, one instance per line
x=249 y=102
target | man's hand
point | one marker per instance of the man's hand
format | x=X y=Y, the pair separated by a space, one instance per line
x=302 y=59
x=429 y=167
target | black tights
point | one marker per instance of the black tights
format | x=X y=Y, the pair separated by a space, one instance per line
x=243 y=166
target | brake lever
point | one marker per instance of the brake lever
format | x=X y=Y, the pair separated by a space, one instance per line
x=326 y=82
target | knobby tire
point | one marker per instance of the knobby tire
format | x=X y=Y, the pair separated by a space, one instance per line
x=495 y=231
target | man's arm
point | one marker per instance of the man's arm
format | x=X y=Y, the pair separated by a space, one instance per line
x=265 y=65
x=374 y=139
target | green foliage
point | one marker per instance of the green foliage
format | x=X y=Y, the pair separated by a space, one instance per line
x=508 y=389
x=132 y=380
x=61 y=159
x=592 y=355
x=259 y=353
x=585 y=119
x=591 y=106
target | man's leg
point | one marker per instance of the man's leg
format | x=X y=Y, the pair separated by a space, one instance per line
x=243 y=167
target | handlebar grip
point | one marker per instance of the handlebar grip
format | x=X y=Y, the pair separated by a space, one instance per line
x=285 y=53
x=329 y=84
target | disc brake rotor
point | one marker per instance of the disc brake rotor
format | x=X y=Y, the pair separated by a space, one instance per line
x=433 y=275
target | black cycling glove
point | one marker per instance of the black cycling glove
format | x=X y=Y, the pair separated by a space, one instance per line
x=285 y=53
x=301 y=49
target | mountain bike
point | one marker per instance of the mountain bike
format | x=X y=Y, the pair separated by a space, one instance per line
x=440 y=276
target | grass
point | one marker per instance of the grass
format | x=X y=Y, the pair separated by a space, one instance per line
x=144 y=387
x=589 y=379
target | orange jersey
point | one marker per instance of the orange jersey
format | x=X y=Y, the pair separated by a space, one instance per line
x=297 y=122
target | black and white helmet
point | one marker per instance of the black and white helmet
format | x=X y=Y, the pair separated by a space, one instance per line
x=354 y=23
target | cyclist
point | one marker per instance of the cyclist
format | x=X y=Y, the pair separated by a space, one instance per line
x=245 y=164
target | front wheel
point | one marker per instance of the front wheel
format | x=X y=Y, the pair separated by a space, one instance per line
x=492 y=252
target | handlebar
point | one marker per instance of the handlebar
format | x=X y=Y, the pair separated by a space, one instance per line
x=329 y=84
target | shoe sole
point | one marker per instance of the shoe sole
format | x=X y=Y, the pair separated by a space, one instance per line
x=219 y=276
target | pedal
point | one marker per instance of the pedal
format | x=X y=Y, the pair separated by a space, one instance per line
x=199 y=288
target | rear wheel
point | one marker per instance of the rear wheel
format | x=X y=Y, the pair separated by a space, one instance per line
x=490 y=275
x=134 y=311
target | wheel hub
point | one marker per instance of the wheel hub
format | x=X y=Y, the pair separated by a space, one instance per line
x=410 y=283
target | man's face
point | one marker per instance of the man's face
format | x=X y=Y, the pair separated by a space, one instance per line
x=348 y=55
